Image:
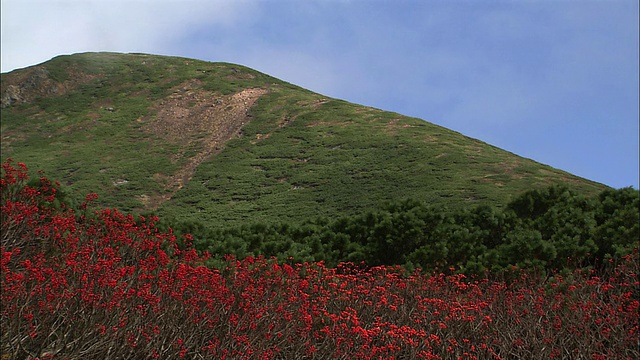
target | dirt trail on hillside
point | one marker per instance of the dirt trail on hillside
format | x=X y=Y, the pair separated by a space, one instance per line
x=199 y=123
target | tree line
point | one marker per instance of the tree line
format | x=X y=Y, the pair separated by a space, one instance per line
x=549 y=229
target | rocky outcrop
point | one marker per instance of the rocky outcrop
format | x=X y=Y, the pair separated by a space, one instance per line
x=12 y=95
x=25 y=85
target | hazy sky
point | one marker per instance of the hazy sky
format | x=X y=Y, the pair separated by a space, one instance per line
x=551 y=80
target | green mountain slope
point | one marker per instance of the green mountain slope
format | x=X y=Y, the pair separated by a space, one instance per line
x=222 y=144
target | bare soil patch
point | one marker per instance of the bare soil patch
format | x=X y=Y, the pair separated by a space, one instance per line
x=200 y=122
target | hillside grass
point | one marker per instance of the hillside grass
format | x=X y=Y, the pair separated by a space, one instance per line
x=305 y=156
x=301 y=156
x=89 y=139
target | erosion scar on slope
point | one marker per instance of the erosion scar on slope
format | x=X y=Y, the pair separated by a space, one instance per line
x=196 y=119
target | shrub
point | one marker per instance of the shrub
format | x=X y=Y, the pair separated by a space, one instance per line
x=82 y=284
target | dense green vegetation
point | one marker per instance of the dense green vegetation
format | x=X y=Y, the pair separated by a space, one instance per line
x=549 y=229
x=299 y=156
x=344 y=159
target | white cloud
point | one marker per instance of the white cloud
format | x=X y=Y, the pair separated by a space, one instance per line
x=35 y=30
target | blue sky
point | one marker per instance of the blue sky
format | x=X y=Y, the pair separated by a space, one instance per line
x=551 y=80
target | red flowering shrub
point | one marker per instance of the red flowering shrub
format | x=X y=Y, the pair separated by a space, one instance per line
x=108 y=285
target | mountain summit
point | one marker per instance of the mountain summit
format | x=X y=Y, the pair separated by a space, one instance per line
x=225 y=144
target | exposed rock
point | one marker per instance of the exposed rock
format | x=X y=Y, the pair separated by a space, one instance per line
x=27 y=85
x=119 y=182
x=24 y=85
x=11 y=96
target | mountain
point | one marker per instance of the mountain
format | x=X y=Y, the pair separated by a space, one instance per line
x=222 y=144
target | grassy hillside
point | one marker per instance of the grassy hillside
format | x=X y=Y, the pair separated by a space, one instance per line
x=223 y=144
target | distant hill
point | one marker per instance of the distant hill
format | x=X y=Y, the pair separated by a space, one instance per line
x=222 y=144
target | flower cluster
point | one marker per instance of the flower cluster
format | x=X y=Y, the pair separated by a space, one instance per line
x=109 y=285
